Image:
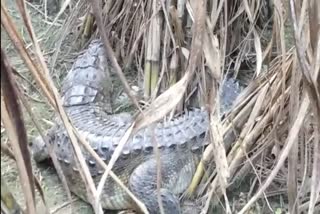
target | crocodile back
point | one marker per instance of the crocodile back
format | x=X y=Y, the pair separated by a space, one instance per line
x=180 y=140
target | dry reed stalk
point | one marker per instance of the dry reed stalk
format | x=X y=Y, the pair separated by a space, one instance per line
x=11 y=116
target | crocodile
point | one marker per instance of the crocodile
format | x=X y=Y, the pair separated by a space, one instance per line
x=180 y=141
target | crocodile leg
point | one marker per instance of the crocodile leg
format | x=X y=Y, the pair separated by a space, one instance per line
x=175 y=173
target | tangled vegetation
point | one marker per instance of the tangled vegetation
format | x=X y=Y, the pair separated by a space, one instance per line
x=265 y=151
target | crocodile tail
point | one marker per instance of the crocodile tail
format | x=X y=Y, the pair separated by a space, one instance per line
x=88 y=81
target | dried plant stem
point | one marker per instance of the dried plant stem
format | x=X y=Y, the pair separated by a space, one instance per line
x=11 y=115
x=293 y=134
x=152 y=52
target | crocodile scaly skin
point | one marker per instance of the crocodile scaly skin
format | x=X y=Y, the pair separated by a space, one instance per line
x=180 y=141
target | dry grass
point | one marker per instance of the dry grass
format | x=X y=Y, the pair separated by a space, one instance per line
x=271 y=135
